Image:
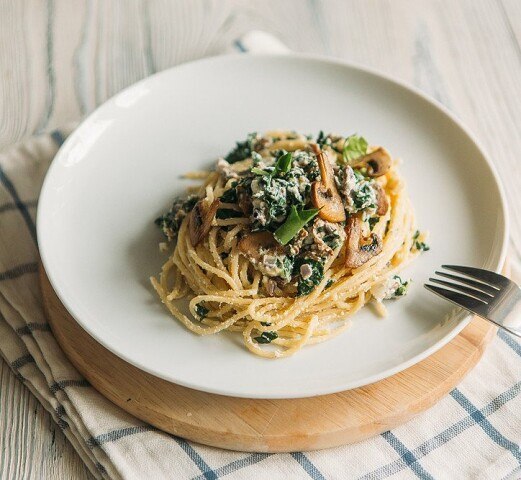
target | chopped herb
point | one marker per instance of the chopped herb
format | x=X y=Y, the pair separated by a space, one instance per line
x=295 y=221
x=224 y=255
x=363 y=195
x=354 y=148
x=266 y=337
x=332 y=240
x=224 y=213
x=402 y=287
x=201 y=311
x=242 y=150
x=420 y=246
x=265 y=324
x=372 y=222
x=323 y=139
x=286 y=267
x=256 y=158
x=306 y=286
x=329 y=283
x=230 y=195
x=170 y=222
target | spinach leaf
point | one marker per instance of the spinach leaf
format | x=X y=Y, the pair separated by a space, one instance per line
x=170 y=222
x=266 y=337
x=372 y=222
x=323 y=139
x=354 y=148
x=230 y=195
x=295 y=221
x=363 y=194
x=306 y=286
x=242 y=150
x=201 y=311
x=421 y=246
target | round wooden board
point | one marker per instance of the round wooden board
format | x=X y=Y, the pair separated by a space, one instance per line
x=267 y=425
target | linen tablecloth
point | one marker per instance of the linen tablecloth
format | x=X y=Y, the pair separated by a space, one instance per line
x=472 y=433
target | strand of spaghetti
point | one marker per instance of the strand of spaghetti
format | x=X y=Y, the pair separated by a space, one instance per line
x=231 y=237
x=233 y=262
x=187 y=322
x=212 y=244
x=196 y=175
x=209 y=268
x=277 y=353
x=226 y=222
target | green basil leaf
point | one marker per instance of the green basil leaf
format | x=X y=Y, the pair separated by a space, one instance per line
x=295 y=221
x=354 y=148
x=259 y=171
x=283 y=164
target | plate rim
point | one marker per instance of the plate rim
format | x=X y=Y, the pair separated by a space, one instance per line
x=316 y=391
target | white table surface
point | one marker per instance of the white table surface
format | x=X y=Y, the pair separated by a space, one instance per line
x=61 y=58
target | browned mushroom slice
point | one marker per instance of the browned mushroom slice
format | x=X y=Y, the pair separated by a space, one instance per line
x=201 y=218
x=382 y=204
x=324 y=194
x=251 y=244
x=359 y=250
x=271 y=285
x=376 y=163
x=244 y=200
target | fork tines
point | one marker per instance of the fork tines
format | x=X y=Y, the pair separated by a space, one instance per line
x=476 y=288
x=485 y=293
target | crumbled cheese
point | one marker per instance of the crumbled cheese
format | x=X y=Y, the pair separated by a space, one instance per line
x=392 y=287
x=357 y=192
x=225 y=169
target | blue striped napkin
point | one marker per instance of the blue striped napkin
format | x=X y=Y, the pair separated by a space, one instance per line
x=472 y=433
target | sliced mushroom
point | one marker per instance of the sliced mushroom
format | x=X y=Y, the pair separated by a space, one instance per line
x=244 y=200
x=359 y=250
x=324 y=194
x=251 y=244
x=201 y=218
x=271 y=285
x=376 y=163
x=382 y=204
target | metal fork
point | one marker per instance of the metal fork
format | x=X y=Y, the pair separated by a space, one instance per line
x=487 y=294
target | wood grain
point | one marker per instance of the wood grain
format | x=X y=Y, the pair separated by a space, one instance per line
x=33 y=446
x=59 y=59
x=267 y=425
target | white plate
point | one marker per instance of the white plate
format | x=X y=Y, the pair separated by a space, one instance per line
x=121 y=169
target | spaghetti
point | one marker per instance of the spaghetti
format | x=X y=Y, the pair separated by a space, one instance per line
x=286 y=239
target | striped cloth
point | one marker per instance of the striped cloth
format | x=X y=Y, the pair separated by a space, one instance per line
x=472 y=433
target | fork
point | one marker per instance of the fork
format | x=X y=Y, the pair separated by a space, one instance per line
x=487 y=294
